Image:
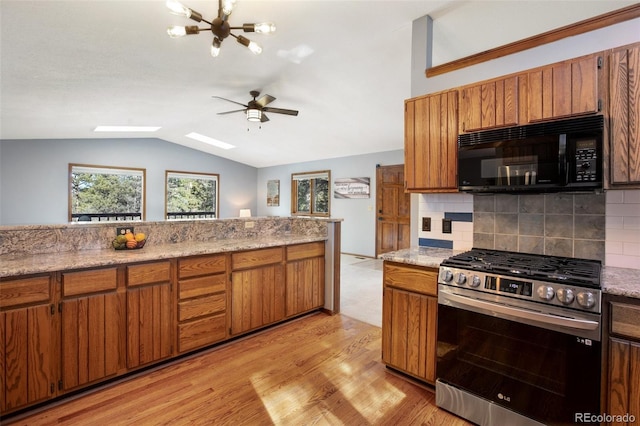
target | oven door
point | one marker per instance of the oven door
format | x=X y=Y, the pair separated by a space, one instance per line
x=536 y=368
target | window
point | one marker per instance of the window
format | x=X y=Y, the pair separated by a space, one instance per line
x=104 y=193
x=310 y=193
x=191 y=195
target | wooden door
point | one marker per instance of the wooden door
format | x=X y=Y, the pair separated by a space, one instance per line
x=394 y=210
x=624 y=81
x=92 y=313
x=29 y=347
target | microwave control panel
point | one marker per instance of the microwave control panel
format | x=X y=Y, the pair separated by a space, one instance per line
x=586 y=160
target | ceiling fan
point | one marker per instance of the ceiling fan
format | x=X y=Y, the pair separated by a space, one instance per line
x=255 y=109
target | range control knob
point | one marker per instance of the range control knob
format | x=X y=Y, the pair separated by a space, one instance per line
x=586 y=299
x=565 y=295
x=546 y=292
x=446 y=275
x=475 y=282
x=461 y=278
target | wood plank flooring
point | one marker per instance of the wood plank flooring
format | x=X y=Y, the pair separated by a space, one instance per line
x=318 y=370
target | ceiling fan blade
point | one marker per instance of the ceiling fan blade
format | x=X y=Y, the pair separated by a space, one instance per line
x=229 y=112
x=264 y=118
x=281 y=111
x=264 y=100
x=229 y=100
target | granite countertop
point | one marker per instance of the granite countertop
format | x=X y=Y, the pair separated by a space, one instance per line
x=616 y=281
x=13 y=265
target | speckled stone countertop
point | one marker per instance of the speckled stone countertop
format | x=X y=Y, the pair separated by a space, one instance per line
x=617 y=281
x=21 y=264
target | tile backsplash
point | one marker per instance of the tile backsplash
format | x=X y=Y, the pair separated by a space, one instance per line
x=595 y=226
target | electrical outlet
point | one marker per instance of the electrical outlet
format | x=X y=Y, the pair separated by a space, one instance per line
x=426 y=224
x=446 y=226
x=249 y=225
x=123 y=230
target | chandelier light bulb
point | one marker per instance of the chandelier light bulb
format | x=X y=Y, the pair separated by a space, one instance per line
x=227 y=6
x=175 y=32
x=265 y=27
x=255 y=47
x=178 y=8
x=215 y=47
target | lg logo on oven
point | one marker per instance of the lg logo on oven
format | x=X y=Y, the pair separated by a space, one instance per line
x=504 y=397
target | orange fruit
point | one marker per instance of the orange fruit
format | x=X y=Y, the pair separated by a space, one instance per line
x=132 y=244
x=129 y=236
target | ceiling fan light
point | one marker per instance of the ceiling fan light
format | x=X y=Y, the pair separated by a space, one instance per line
x=215 y=47
x=264 y=27
x=254 y=115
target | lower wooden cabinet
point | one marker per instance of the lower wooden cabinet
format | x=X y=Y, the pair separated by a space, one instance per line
x=409 y=319
x=623 y=388
x=305 y=278
x=202 y=301
x=149 y=313
x=91 y=311
x=28 y=342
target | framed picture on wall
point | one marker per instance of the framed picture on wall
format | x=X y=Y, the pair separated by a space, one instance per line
x=351 y=187
x=273 y=193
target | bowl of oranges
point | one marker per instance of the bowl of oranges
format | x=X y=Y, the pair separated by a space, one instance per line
x=129 y=241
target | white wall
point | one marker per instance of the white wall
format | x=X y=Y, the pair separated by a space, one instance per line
x=34 y=175
x=359 y=215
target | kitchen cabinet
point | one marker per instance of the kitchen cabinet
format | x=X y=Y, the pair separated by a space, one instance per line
x=149 y=313
x=623 y=389
x=257 y=289
x=409 y=319
x=202 y=301
x=431 y=150
x=92 y=313
x=565 y=89
x=305 y=278
x=29 y=324
x=495 y=103
x=624 y=116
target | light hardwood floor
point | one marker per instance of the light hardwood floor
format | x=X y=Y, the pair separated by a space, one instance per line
x=320 y=369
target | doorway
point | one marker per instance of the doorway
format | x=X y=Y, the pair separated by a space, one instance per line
x=393 y=207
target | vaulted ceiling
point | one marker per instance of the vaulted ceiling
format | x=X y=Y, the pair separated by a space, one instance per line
x=69 y=66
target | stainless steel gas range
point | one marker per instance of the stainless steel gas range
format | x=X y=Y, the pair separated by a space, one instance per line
x=519 y=337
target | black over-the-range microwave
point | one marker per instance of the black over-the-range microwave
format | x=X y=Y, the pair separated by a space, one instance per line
x=564 y=155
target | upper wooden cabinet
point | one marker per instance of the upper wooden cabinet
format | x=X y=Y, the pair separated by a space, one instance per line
x=431 y=132
x=565 y=89
x=624 y=115
x=494 y=103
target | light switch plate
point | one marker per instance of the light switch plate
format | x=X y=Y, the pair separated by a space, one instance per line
x=446 y=226
x=426 y=224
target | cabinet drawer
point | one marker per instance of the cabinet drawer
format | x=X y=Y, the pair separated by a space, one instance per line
x=202 y=306
x=23 y=291
x=93 y=281
x=411 y=278
x=625 y=320
x=201 y=265
x=201 y=332
x=195 y=287
x=254 y=258
x=303 y=251
x=148 y=273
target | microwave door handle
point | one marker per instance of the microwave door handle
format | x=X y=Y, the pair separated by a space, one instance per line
x=562 y=160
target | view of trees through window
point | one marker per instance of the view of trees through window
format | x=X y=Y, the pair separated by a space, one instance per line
x=191 y=195
x=311 y=195
x=106 y=193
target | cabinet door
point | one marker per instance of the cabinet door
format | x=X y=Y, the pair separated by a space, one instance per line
x=409 y=332
x=149 y=313
x=624 y=131
x=431 y=130
x=489 y=105
x=305 y=285
x=257 y=297
x=28 y=347
x=564 y=89
x=624 y=378
x=92 y=312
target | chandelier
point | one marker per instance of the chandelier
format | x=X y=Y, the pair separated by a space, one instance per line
x=219 y=27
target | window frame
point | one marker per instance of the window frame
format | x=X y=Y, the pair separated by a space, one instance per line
x=295 y=177
x=216 y=199
x=98 y=168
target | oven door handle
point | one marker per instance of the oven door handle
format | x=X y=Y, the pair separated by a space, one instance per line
x=520 y=313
